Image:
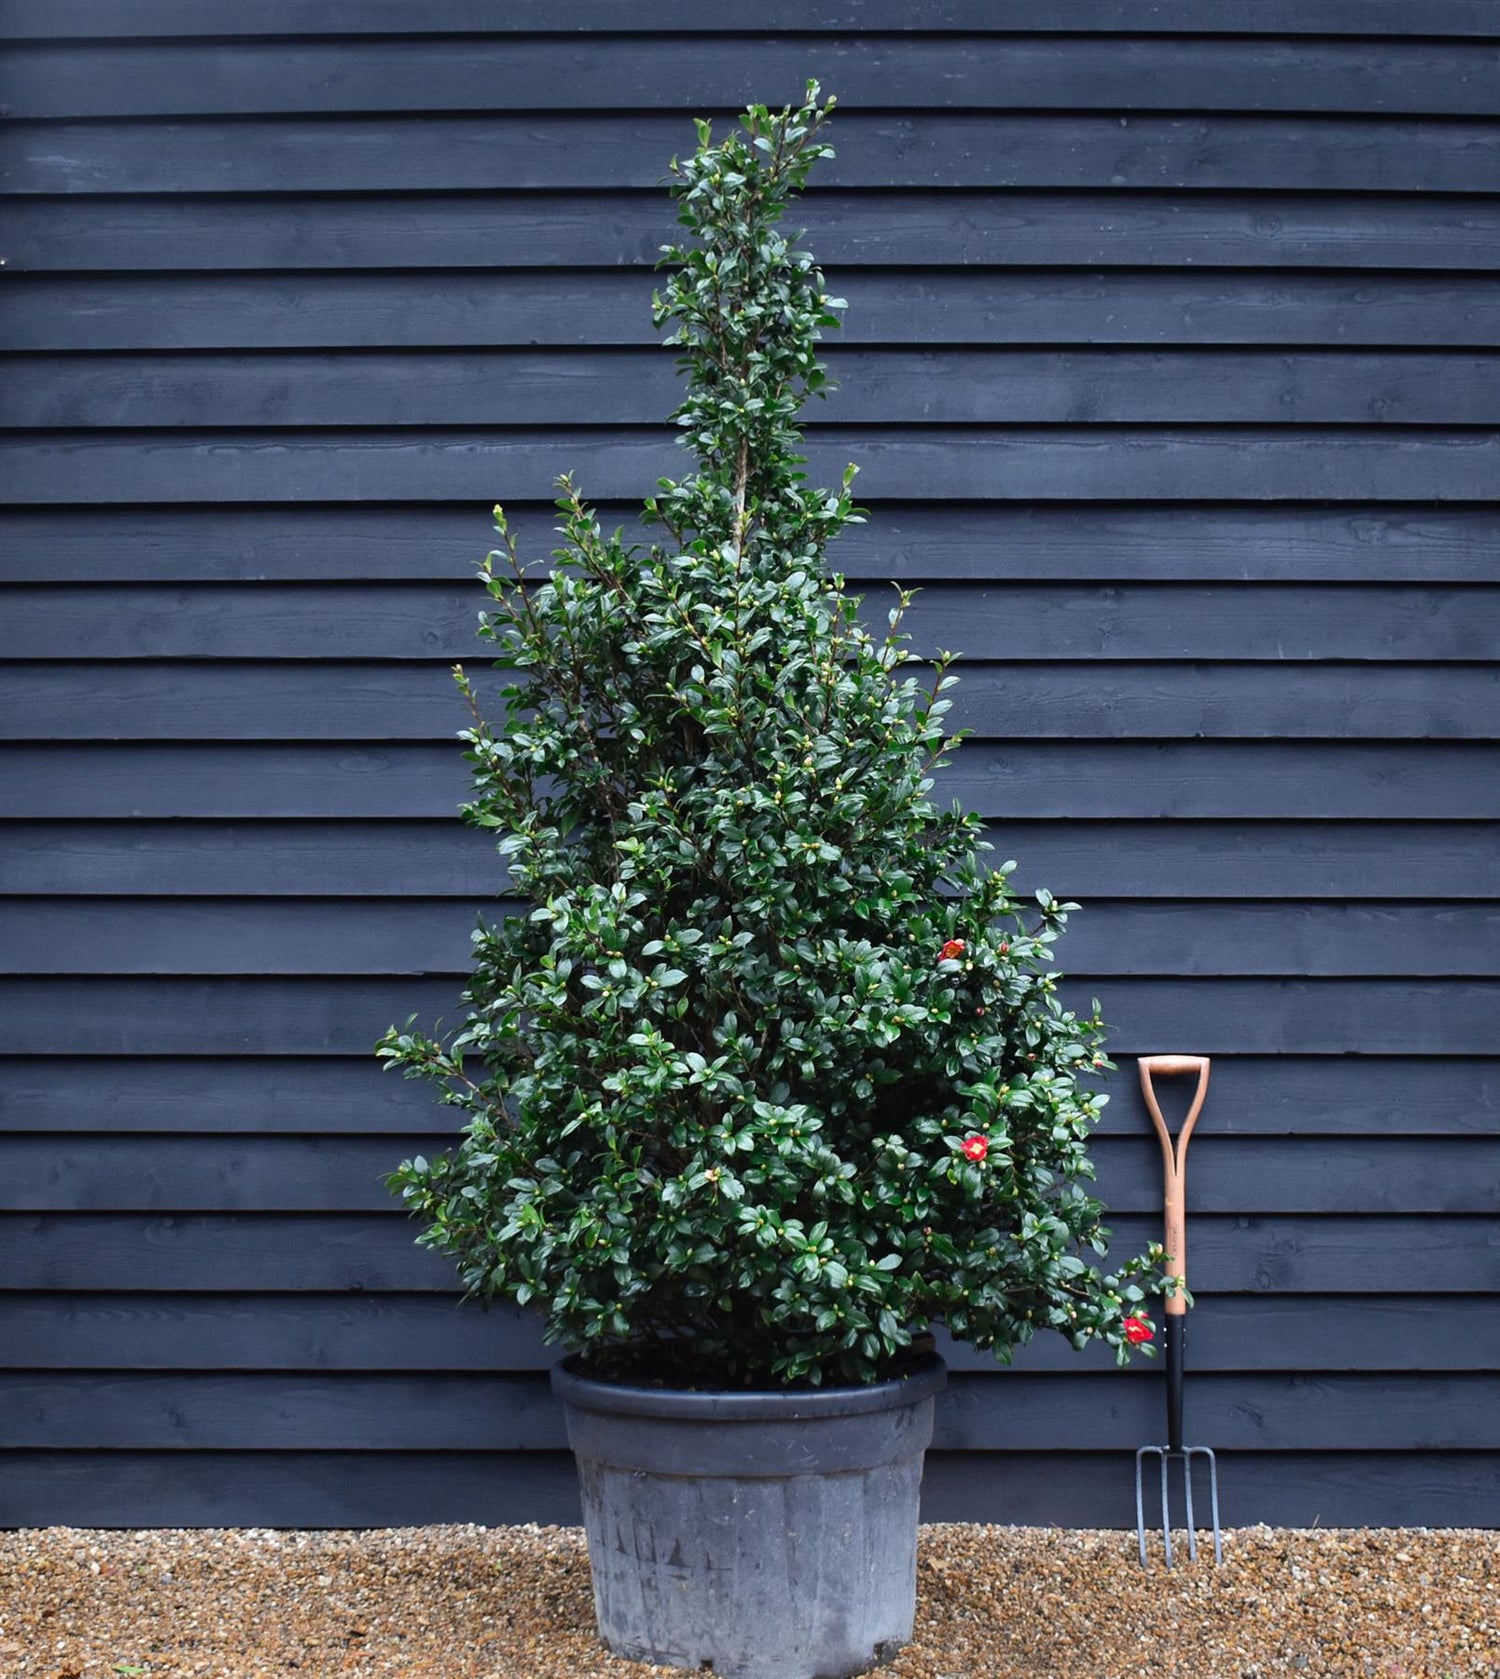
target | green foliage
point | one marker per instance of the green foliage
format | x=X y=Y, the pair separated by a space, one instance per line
x=720 y=1079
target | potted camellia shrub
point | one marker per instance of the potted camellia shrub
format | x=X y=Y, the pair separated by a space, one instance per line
x=770 y=1074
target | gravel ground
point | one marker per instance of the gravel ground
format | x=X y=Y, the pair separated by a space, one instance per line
x=513 y=1603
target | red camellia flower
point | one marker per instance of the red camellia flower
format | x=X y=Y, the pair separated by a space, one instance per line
x=952 y=950
x=976 y=1147
x=1138 y=1329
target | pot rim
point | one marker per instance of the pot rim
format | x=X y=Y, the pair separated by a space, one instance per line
x=927 y=1376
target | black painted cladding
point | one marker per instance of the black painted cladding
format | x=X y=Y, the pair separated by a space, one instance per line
x=1170 y=362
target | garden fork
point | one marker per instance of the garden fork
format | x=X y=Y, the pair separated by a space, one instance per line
x=1174 y=1160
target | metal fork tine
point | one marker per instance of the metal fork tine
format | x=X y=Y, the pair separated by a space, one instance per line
x=1166 y=1510
x=1164 y=1456
x=1187 y=1494
x=1213 y=1495
x=1140 y=1505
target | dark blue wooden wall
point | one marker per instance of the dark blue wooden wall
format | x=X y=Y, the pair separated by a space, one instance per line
x=1171 y=365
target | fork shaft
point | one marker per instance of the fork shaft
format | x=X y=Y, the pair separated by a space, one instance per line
x=1174 y=1337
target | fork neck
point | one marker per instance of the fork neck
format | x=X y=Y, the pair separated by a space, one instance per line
x=1174 y=1333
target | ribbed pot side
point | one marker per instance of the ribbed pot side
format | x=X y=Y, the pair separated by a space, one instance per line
x=757 y=1535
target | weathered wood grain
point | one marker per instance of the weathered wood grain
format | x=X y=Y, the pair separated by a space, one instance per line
x=141 y=233
x=1088 y=859
x=1213 y=152
x=1122 y=780
x=1208 y=624
x=246 y=19
x=637 y=387
x=958 y=463
x=162 y=700
x=1314 y=1489
x=1267 y=1095
x=344 y=1015
x=393 y=1489
x=432 y=1333
x=916 y=543
x=374 y=1253
x=629 y=75
x=419 y=935
x=285 y=1489
x=143 y=1411
x=600 y=307
x=98 y=1172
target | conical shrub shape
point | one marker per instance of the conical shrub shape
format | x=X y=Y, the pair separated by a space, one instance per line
x=772 y=1071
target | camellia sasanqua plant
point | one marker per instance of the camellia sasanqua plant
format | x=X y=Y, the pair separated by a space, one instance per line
x=770 y=1073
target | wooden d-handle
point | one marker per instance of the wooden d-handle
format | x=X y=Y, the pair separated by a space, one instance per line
x=1174 y=1160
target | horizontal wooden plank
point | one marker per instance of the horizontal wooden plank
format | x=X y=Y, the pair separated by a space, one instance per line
x=1291 y=779
x=253 y=858
x=958 y=462
x=628 y=75
x=1289 y=937
x=296 y=1413
x=1307 y=1175
x=242 y=19
x=344 y=1016
x=1353 y=780
x=1373 y=860
x=403 y=1489
x=215 y=1016
x=408 y=1332
x=1012 y=621
x=417 y=1488
x=313 y=1096
x=98 y=1172
x=1090 y=150
x=1352 y=1489
x=202 y=1253
x=1075 y=859
x=492 y=1412
x=153 y=780
x=419 y=935
x=1253 y=1096
x=207 y=1254
x=431 y=1333
x=1297 y=1017
x=168 y=701
x=285 y=1489
x=1273 y=1255
x=640 y=387
x=1227 y=1332
x=591 y=307
x=913 y=542
x=1240 y=1413
x=626 y=228
x=144 y=1173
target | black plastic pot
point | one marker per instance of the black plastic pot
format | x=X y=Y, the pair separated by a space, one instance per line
x=759 y=1535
